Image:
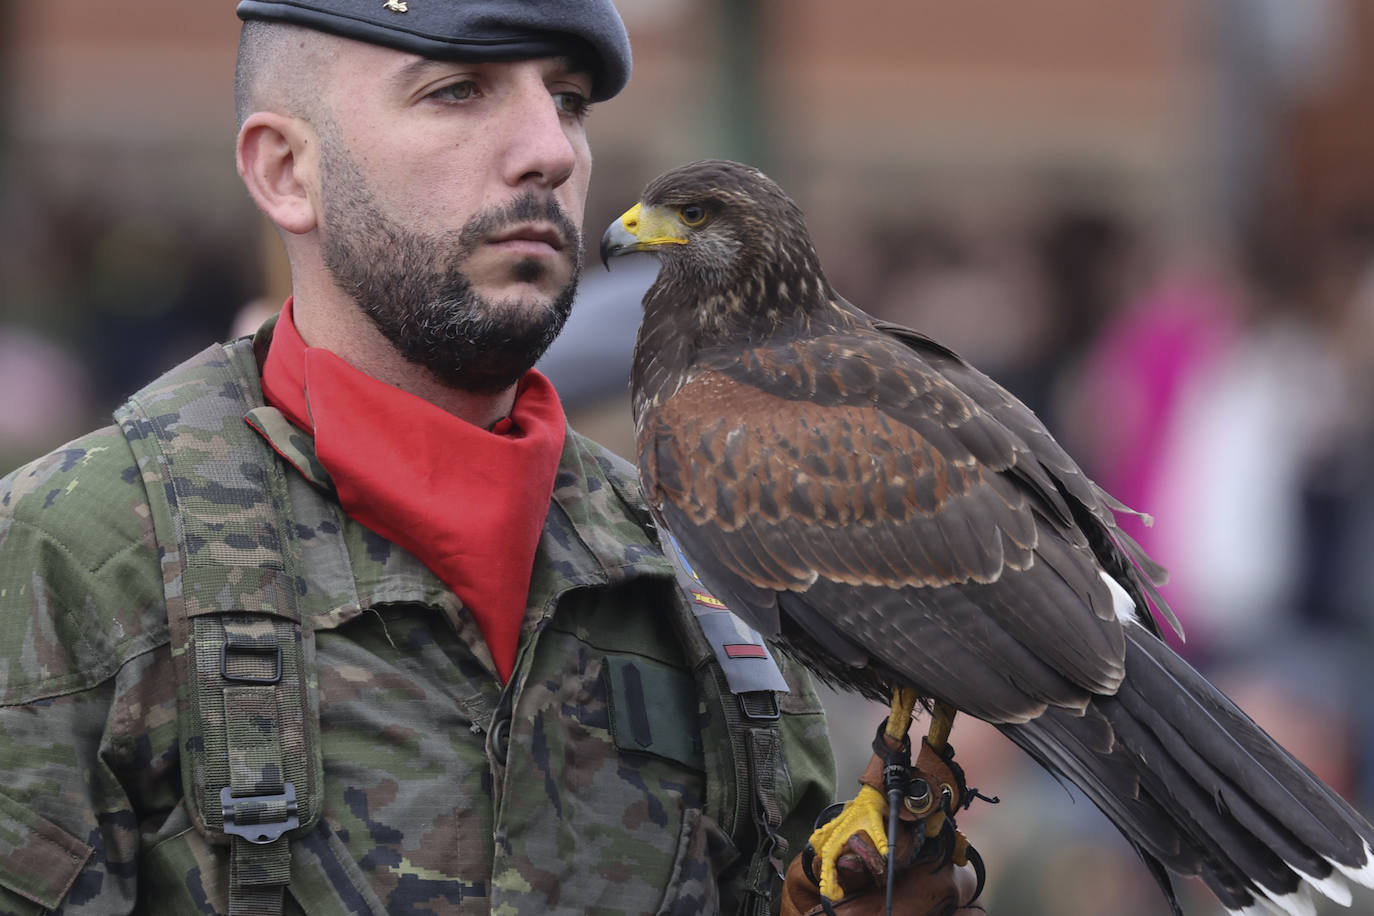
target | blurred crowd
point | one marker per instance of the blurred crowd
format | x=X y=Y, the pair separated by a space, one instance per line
x=95 y=301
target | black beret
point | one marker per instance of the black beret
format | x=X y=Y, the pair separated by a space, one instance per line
x=586 y=30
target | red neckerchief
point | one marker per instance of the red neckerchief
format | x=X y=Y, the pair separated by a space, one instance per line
x=469 y=503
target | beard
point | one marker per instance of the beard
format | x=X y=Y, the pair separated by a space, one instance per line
x=413 y=288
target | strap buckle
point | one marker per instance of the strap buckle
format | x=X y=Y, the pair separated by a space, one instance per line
x=248 y=649
x=759 y=705
x=259 y=834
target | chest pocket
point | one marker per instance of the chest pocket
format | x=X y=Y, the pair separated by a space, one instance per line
x=653 y=710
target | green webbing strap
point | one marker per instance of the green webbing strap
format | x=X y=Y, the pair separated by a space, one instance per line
x=768 y=863
x=756 y=747
x=259 y=805
x=747 y=682
x=249 y=742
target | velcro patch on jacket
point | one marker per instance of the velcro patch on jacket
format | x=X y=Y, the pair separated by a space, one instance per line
x=653 y=710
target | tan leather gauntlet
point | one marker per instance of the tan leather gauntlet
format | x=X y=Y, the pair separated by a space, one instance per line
x=934 y=877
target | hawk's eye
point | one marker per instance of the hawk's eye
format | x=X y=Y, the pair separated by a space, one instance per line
x=692 y=214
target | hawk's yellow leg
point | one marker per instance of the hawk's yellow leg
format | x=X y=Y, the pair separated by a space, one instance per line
x=867 y=813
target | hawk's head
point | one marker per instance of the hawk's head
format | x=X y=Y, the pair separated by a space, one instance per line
x=730 y=241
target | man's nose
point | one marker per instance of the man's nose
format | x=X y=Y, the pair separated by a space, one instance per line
x=539 y=148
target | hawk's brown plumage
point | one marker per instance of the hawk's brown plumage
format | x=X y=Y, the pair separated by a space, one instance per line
x=892 y=516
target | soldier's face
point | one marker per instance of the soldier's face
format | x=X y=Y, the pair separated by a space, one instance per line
x=451 y=195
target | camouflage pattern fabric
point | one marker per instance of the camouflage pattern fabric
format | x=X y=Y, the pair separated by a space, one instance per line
x=572 y=789
x=246 y=703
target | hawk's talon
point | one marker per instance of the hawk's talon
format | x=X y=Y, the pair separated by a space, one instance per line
x=867 y=814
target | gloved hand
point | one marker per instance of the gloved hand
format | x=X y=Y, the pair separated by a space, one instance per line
x=932 y=859
x=935 y=887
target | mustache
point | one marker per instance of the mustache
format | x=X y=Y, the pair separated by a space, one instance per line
x=528 y=207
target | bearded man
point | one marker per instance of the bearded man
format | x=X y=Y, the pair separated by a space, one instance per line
x=342 y=618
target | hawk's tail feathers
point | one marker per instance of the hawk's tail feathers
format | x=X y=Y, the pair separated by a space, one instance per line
x=1196 y=785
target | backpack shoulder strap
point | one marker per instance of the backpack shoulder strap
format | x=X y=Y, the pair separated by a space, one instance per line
x=737 y=678
x=746 y=681
x=247 y=726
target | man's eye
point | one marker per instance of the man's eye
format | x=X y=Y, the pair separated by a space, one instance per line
x=573 y=104
x=456 y=92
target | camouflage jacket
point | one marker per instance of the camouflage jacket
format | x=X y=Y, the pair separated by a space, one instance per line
x=443 y=791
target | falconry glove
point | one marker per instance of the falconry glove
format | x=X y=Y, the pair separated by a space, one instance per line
x=928 y=888
x=937 y=872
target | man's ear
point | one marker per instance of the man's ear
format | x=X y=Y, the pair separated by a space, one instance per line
x=277 y=159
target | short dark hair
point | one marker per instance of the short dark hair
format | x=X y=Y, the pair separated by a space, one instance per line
x=278 y=68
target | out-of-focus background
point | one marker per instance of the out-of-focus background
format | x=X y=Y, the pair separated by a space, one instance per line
x=1154 y=221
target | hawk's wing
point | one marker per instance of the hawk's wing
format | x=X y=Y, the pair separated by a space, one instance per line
x=846 y=483
x=1094 y=509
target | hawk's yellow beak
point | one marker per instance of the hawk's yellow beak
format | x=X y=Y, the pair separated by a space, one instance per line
x=641 y=228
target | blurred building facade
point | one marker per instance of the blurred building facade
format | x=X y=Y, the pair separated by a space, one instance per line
x=885 y=119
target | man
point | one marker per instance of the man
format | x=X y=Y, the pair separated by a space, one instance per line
x=514 y=710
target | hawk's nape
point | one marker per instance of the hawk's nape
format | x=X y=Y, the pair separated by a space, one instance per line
x=891 y=516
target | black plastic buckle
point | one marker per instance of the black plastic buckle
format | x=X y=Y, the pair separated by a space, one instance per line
x=260 y=834
x=249 y=650
x=764 y=703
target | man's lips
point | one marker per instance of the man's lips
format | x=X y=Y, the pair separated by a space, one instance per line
x=530 y=238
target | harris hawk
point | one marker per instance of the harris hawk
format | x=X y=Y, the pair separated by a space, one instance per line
x=897 y=521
